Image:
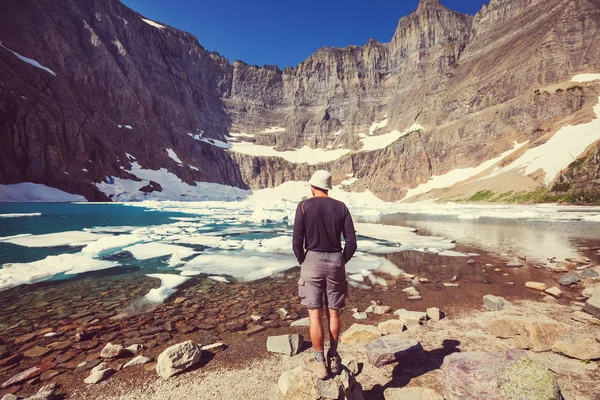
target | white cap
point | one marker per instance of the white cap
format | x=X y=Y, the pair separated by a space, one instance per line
x=321 y=179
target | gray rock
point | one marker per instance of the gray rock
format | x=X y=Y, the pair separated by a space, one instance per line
x=515 y=264
x=391 y=327
x=178 y=358
x=301 y=322
x=85 y=365
x=113 y=351
x=410 y=317
x=134 y=348
x=43 y=395
x=360 y=316
x=576 y=345
x=9 y=397
x=569 y=279
x=352 y=366
x=483 y=376
x=358 y=333
x=381 y=310
x=285 y=344
x=139 y=360
x=592 y=306
x=434 y=313
x=590 y=273
x=99 y=373
x=561 y=364
x=302 y=384
x=389 y=349
x=411 y=393
x=496 y=303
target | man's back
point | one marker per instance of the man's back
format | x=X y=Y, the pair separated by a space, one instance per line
x=319 y=224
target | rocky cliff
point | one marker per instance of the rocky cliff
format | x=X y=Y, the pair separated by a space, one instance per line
x=450 y=91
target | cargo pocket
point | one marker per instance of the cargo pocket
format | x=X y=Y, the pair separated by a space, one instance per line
x=301 y=288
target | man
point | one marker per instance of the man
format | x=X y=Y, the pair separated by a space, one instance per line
x=320 y=222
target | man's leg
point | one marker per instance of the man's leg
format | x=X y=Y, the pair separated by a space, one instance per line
x=315 y=317
x=333 y=317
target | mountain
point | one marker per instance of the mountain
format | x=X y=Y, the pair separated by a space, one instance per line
x=99 y=101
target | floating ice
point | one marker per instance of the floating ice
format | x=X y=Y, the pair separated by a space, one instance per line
x=168 y=285
x=21 y=215
x=243 y=266
x=12 y=275
x=70 y=238
x=200 y=240
x=145 y=251
x=406 y=237
x=111 y=244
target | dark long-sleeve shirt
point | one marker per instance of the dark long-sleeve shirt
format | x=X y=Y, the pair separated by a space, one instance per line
x=320 y=222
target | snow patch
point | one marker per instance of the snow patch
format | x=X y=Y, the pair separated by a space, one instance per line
x=274 y=129
x=173 y=156
x=302 y=155
x=152 y=23
x=586 y=78
x=382 y=141
x=29 y=61
x=377 y=125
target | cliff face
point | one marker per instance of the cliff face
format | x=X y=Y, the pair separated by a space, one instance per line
x=475 y=84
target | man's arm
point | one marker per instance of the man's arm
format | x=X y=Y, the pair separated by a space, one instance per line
x=299 y=233
x=349 y=236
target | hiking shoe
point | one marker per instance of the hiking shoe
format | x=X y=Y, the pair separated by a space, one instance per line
x=335 y=363
x=317 y=368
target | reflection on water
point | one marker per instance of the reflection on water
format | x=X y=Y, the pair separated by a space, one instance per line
x=507 y=238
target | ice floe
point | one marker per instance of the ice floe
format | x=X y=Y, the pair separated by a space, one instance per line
x=70 y=238
x=12 y=275
x=145 y=251
x=246 y=266
x=111 y=244
x=168 y=286
x=20 y=215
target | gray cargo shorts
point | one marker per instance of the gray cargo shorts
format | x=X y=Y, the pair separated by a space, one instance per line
x=323 y=280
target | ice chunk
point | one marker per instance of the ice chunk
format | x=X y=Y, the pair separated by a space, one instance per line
x=168 y=285
x=111 y=244
x=218 y=278
x=20 y=215
x=145 y=251
x=406 y=237
x=70 y=264
x=242 y=266
x=70 y=238
x=200 y=240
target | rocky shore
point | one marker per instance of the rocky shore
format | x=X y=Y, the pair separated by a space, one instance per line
x=95 y=338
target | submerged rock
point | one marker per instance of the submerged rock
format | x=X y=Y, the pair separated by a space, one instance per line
x=569 y=279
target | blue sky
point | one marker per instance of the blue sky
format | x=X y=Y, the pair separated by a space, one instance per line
x=284 y=32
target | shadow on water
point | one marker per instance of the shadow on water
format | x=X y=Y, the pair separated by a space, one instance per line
x=407 y=370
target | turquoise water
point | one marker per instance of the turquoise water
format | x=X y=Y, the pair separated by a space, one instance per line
x=62 y=217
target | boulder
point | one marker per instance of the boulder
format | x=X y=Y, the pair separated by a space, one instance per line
x=99 y=373
x=433 y=313
x=113 y=351
x=486 y=376
x=134 y=348
x=411 y=393
x=410 y=317
x=537 y=334
x=177 y=358
x=562 y=365
x=576 y=345
x=381 y=310
x=495 y=303
x=358 y=333
x=554 y=291
x=391 y=327
x=285 y=344
x=389 y=349
x=360 y=316
x=9 y=396
x=569 y=279
x=302 y=384
x=536 y=286
x=139 y=360
x=301 y=322
x=592 y=306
